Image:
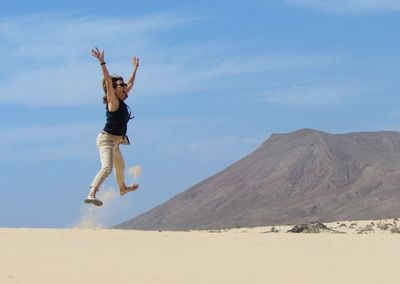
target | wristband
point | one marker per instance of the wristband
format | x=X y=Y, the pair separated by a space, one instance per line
x=102 y=63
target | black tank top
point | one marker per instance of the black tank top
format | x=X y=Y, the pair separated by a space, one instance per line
x=117 y=121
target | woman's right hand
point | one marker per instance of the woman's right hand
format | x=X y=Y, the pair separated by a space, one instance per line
x=109 y=86
x=98 y=54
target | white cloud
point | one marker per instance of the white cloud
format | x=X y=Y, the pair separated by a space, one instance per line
x=219 y=73
x=181 y=138
x=350 y=6
x=49 y=142
x=65 y=85
x=195 y=140
x=311 y=95
x=62 y=38
x=48 y=61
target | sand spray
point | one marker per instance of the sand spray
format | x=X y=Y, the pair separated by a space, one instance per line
x=94 y=217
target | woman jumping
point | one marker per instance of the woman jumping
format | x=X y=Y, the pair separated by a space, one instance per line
x=114 y=132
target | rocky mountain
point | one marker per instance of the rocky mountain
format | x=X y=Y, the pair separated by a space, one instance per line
x=303 y=176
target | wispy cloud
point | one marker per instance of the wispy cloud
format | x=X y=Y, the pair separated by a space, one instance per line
x=222 y=73
x=44 y=142
x=350 y=6
x=53 y=53
x=189 y=139
x=311 y=95
x=48 y=61
x=60 y=38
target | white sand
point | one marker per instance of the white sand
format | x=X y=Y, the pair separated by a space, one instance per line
x=247 y=255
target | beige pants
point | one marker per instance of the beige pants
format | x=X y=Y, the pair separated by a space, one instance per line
x=110 y=156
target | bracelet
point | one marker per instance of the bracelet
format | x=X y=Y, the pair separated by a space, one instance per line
x=102 y=63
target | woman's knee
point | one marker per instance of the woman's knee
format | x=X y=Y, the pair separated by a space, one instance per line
x=106 y=170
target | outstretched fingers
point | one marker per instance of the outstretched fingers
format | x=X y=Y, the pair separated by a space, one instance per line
x=135 y=62
x=97 y=53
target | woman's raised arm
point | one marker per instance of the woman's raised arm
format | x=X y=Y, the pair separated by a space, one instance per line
x=131 y=81
x=111 y=98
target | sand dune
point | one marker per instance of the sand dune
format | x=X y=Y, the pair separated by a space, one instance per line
x=359 y=252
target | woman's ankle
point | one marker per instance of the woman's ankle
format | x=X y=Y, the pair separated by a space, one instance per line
x=93 y=191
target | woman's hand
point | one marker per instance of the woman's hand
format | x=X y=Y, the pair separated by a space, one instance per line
x=135 y=62
x=111 y=99
x=98 y=54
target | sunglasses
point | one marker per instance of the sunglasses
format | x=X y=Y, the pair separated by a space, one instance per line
x=120 y=85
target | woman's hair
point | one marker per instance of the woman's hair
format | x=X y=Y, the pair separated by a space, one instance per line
x=114 y=80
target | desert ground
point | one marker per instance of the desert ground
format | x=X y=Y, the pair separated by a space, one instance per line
x=346 y=252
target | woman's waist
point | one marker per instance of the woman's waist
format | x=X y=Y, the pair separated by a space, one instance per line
x=115 y=129
x=114 y=136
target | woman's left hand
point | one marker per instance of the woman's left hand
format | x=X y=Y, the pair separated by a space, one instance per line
x=135 y=62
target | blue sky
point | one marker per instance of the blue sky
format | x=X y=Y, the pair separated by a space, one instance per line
x=216 y=79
